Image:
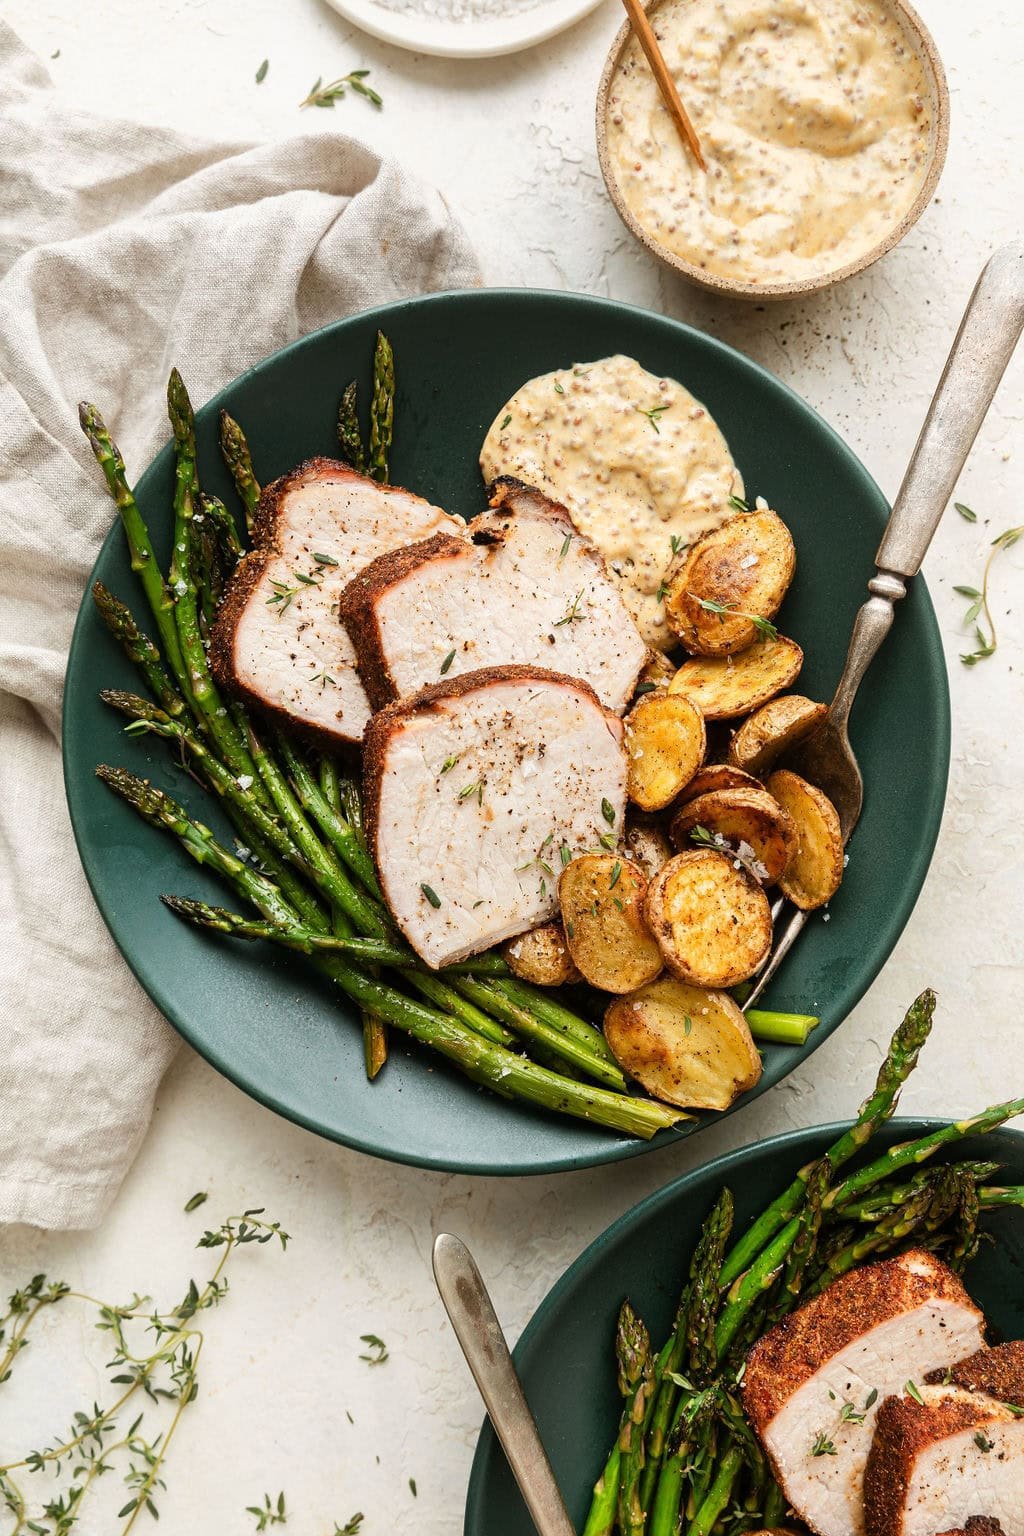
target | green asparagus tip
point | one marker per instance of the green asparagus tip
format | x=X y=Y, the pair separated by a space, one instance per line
x=200 y=913
x=179 y=406
x=132 y=704
x=139 y=793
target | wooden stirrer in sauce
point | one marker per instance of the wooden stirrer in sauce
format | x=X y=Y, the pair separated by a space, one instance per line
x=644 y=34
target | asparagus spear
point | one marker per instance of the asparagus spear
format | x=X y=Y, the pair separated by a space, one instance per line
x=337 y=831
x=896 y=1068
x=139 y=649
x=238 y=459
x=382 y=409
x=531 y=1027
x=140 y=546
x=223 y=526
x=349 y=435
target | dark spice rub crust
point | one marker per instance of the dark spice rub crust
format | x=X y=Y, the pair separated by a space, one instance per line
x=796 y=1347
x=386 y=721
x=998 y=1372
x=904 y=1429
x=358 y=609
x=977 y=1525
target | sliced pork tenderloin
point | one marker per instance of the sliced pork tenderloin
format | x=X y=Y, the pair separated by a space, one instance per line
x=473 y=787
x=526 y=588
x=977 y=1525
x=998 y=1371
x=813 y=1383
x=277 y=642
x=942 y=1455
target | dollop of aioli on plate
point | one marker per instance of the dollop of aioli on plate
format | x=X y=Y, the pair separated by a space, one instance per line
x=815 y=119
x=636 y=460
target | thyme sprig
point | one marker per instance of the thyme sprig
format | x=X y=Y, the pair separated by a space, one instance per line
x=654 y=414
x=326 y=95
x=763 y=626
x=979 y=612
x=269 y=1512
x=163 y=1371
x=572 y=615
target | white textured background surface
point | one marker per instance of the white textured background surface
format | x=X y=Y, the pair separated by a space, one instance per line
x=511 y=144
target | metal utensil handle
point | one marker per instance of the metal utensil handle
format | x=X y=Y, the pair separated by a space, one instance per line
x=483 y=1344
x=988 y=333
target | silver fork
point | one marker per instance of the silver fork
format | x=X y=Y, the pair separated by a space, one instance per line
x=984 y=344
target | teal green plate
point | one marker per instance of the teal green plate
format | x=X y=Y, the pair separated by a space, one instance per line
x=262 y=1018
x=565 y=1358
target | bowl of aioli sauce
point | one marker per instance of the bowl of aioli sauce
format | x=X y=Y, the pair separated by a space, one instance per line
x=824 y=124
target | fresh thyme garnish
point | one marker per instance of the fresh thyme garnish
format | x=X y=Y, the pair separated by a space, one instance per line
x=324 y=559
x=565 y=547
x=326 y=95
x=763 y=626
x=848 y=1414
x=743 y=856
x=447 y=662
x=978 y=603
x=324 y=679
x=307 y=581
x=476 y=789
x=449 y=763
x=663 y=590
x=653 y=414
x=982 y=1441
x=351 y=1527
x=966 y=512
x=378 y=1349
x=823 y=1446
x=565 y=854
x=687 y=1025
x=558 y=388
x=738 y=504
x=164 y=1370
x=412 y=1486
x=196 y=1201
x=282 y=596
x=678 y=543
x=435 y=901
x=573 y=613
x=505 y=423
x=646 y=687
x=912 y=1390
x=261 y=73
x=616 y=875
x=608 y=841
x=608 y=812
x=268 y=1513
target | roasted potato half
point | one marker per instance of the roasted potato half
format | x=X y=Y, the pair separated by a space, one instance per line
x=541 y=957
x=715 y=776
x=747 y=819
x=773 y=729
x=685 y=1045
x=726 y=686
x=602 y=900
x=711 y=920
x=733 y=575
x=816 y=869
x=665 y=745
x=647 y=842
x=657 y=672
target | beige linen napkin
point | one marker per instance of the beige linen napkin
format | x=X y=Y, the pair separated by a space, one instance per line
x=124 y=250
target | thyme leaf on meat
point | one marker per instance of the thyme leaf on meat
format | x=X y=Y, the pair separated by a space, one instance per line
x=470 y=790
x=573 y=614
x=566 y=542
x=823 y=1446
x=448 y=764
x=432 y=897
x=326 y=95
x=324 y=559
x=447 y=661
x=912 y=1390
x=983 y=1443
x=282 y=597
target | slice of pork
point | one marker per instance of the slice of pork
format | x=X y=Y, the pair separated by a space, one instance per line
x=977 y=1525
x=472 y=789
x=813 y=1384
x=526 y=589
x=941 y=1455
x=277 y=641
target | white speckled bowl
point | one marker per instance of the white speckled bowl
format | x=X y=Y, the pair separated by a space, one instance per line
x=923 y=44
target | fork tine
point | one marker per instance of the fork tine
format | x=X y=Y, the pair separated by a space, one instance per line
x=784 y=944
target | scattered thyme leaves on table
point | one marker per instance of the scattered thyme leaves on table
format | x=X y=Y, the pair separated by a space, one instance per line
x=261 y=73
x=378 y=1349
x=268 y=1513
x=161 y=1369
x=978 y=612
x=326 y=95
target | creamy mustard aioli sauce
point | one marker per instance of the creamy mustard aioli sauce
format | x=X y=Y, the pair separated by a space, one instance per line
x=815 y=119
x=636 y=460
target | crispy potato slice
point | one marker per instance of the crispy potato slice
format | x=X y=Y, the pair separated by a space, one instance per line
x=684 y=1044
x=726 y=686
x=773 y=729
x=743 y=568
x=816 y=870
x=602 y=900
x=647 y=842
x=715 y=776
x=712 y=921
x=657 y=672
x=541 y=957
x=665 y=745
x=751 y=820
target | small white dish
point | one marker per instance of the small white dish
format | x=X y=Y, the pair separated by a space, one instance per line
x=479 y=39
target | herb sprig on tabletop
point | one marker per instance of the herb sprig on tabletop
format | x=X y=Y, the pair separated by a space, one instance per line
x=979 y=613
x=322 y=95
x=154 y=1363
